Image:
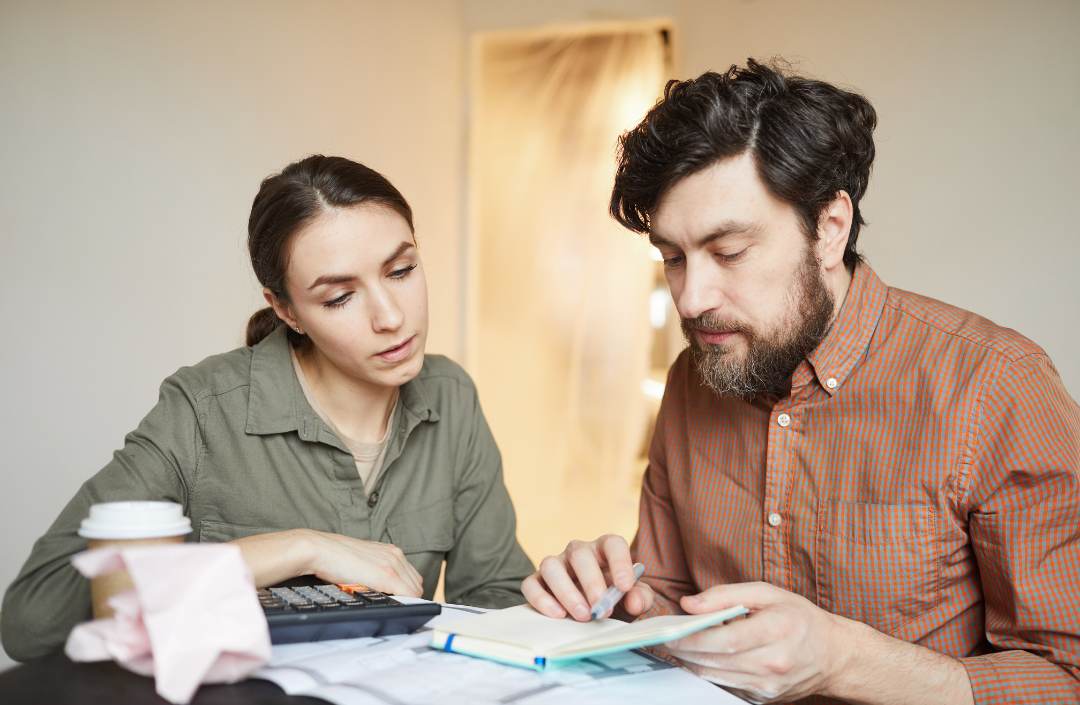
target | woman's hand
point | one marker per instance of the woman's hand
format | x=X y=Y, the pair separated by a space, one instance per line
x=331 y=557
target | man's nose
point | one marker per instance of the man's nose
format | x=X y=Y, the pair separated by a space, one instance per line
x=700 y=292
x=386 y=315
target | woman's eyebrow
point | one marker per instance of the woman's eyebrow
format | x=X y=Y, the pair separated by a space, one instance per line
x=401 y=249
x=332 y=279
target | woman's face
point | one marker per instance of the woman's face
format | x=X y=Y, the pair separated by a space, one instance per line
x=359 y=293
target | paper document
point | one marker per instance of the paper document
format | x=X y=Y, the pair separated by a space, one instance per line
x=405 y=670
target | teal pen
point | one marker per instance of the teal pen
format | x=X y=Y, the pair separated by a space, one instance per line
x=611 y=597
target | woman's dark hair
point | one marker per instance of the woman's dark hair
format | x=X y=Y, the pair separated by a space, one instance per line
x=288 y=201
x=809 y=140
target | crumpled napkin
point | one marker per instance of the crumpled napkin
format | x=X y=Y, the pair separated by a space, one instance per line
x=193 y=616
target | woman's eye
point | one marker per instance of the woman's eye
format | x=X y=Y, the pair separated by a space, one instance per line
x=339 y=301
x=402 y=273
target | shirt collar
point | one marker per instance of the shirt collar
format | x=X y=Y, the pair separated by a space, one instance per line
x=276 y=402
x=835 y=358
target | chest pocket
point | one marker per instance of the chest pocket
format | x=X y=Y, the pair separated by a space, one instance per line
x=877 y=563
x=430 y=528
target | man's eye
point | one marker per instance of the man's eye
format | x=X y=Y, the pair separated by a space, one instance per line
x=402 y=273
x=732 y=257
x=673 y=261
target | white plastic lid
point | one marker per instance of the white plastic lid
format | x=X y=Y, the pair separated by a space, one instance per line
x=135 y=520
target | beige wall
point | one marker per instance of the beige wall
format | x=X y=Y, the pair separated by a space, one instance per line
x=133 y=136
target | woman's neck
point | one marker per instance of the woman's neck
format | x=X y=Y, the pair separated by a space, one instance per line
x=360 y=409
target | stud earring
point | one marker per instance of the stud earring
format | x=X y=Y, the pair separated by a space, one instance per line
x=296 y=328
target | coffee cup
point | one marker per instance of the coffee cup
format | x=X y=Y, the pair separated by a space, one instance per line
x=126 y=524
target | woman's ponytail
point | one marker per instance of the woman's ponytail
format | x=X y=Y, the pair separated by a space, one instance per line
x=261 y=324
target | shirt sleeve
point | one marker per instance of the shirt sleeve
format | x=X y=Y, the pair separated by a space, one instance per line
x=658 y=544
x=48 y=597
x=1024 y=491
x=486 y=565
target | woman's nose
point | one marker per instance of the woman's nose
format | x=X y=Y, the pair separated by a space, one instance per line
x=386 y=315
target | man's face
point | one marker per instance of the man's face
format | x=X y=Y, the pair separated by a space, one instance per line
x=745 y=280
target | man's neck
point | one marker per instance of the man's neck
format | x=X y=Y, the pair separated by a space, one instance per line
x=839 y=282
x=359 y=408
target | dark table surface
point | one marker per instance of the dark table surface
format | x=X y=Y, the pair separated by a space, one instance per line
x=57 y=680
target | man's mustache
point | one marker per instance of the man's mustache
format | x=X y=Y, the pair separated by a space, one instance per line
x=716 y=324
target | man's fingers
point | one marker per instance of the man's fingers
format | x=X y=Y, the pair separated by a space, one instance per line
x=536 y=593
x=588 y=573
x=639 y=600
x=753 y=596
x=615 y=554
x=739 y=636
x=559 y=583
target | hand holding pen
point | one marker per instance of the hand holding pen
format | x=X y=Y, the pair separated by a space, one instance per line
x=576 y=580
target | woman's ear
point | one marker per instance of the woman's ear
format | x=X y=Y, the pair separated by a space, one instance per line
x=834 y=226
x=283 y=311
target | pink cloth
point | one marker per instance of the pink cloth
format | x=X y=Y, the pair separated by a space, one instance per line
x=192 y=618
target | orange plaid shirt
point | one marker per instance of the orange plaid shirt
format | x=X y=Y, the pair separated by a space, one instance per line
x=921 y=477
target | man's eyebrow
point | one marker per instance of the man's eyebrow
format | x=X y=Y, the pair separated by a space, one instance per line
x=729 y=228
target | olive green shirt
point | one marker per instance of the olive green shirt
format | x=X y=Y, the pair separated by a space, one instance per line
x=234 y=441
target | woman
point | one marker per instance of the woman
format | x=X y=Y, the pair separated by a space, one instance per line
x=331 y=445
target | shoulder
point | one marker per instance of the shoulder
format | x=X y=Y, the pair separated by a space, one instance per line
x=217 y=374
x=959 y=326
x=441 y=371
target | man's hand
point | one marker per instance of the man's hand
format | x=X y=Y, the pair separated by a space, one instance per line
x=789 y=648
x=575 y=579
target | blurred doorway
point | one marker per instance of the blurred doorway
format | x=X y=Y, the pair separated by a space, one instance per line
x=561 y=337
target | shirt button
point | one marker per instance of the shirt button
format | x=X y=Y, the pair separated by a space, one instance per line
x=831 y=383
x=775 y=519
x=372 y=499
x=784 y=420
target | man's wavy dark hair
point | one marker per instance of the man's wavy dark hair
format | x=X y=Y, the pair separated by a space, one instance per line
x=808 y=138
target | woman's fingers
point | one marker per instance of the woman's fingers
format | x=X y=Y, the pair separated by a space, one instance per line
x=380 y=566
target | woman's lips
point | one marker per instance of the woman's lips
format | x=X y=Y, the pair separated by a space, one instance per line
x=399 y=353
x=712 y=337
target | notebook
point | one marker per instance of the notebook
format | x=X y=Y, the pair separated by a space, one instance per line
x=521 y=636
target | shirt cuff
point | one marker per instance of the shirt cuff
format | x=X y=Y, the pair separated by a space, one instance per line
x=1019 y=677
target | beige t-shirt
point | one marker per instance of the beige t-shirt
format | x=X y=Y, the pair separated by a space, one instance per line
x=368 y=456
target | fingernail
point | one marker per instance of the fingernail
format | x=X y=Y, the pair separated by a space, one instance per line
x=622 y=577
x=581 y=612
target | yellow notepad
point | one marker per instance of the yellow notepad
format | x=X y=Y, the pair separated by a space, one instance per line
x=521 y=636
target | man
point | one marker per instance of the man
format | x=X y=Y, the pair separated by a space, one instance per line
x=890 y=484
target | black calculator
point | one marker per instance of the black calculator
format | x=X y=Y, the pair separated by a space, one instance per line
x=305 y=609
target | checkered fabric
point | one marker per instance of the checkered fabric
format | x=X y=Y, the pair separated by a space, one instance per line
x=921 y=477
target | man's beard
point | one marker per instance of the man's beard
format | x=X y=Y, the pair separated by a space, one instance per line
x=770 y=358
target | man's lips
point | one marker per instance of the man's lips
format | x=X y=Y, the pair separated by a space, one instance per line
x=398 y=352
x=715 y=337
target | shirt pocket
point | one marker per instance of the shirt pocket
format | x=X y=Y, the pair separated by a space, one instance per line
x=877 y=563
x=427 y=529
x=220 y=532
